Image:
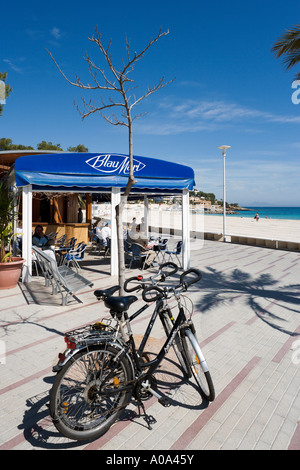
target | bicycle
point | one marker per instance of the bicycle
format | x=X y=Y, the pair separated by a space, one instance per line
x=183 y=342
x=102 y=369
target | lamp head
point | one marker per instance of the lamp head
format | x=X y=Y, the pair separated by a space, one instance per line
x=224 y=147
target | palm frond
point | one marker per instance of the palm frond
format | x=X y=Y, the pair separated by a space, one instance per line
x=288 y=45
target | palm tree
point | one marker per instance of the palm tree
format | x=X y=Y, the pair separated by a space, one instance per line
x=288 y=46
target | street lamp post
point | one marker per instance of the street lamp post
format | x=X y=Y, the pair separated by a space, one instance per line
x=224 y=148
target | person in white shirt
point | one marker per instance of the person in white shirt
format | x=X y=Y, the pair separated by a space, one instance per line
x=105 y=232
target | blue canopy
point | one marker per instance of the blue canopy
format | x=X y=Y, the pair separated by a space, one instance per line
x=100 y=172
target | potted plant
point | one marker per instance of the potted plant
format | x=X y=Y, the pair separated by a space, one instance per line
x=10 y=266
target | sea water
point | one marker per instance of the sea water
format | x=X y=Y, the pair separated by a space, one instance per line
x=290 y=213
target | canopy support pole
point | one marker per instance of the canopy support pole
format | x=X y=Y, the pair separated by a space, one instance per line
x=114 y=260
x=146 y=213
x=27 y=233
x=185 y=230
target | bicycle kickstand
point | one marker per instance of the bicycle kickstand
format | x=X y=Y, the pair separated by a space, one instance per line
x=148 y=418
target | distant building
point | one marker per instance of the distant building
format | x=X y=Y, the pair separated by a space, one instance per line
x=195 y=200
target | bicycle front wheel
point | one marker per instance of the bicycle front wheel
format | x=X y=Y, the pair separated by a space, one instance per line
x=199 y=366
x=90 y=393
x=179 y=345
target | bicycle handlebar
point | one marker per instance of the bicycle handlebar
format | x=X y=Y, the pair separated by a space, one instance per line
x=192 y=280
x=136 y=287
x=143 y=285
x=154 y=293
x=169 y=273
x=152 y=297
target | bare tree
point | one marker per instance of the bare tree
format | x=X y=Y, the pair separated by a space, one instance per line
x=120 y=83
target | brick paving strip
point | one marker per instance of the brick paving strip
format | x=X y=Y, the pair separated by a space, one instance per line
x=295 y=442
x=286 y=346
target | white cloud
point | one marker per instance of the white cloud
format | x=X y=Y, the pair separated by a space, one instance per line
x=55 y=32
x=222 y=111
x=176 y=117
x=13 y=66
x=295 y=145
x=274 y=182
x=168 y=128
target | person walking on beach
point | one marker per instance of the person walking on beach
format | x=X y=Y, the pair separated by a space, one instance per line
x=256 y=217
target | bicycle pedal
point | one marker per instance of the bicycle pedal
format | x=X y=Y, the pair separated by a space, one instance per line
x=164 y=401
x=149 y=420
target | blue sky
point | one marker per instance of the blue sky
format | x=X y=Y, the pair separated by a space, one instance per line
x=229 y=88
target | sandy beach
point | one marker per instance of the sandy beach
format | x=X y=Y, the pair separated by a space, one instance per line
x=288 y=230
x=271 y=229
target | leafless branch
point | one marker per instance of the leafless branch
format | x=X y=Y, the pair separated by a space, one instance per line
x=105 y=52
x=78 y=82
x=120 y=78
x=91 y=109
x=137 y=57
x=150 y=91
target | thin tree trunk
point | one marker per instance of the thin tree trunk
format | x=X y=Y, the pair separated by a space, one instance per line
x=120 y=211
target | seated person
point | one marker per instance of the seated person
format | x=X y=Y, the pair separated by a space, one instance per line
x=141 y=239
x=105 y=232
x=18 y=238
x=39 y=238
x=97 y=230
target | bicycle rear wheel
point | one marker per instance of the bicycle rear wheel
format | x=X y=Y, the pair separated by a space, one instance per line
x=87 y=398
x=199 y=366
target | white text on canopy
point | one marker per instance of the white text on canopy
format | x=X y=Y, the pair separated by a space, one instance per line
x=106 y=163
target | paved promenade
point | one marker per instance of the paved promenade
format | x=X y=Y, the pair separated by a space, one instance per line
x=247 y=315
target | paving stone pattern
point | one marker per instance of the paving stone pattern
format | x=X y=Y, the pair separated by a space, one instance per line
x=247 y=315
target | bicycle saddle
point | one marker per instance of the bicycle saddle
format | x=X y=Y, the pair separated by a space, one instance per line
x=119 y=304
x=103 y=293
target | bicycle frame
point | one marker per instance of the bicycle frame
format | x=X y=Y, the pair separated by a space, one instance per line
x=153 y=365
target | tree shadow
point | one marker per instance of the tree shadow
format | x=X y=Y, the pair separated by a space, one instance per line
x=7 y=327
x=223 y=288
